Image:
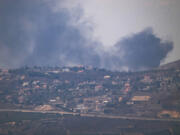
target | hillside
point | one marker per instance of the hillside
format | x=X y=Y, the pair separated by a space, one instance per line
x=172 y=65
x=92 y=91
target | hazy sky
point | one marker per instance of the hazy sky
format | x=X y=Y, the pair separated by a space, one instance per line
x=112 y=34
x=114 y=19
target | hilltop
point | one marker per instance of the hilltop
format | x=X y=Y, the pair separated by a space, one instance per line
x=172 y=65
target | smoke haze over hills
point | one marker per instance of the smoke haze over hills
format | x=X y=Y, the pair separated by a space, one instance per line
x=34 y=33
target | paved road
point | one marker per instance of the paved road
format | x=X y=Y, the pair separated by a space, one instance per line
x=92 y=115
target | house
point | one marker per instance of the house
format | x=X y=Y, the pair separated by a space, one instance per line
x=107 y=77
x=140 y=98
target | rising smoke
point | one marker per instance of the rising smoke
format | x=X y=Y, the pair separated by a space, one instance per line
x=143 y=50
x=33 y=33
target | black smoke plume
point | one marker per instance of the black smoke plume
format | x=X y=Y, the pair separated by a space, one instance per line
x=141 y=51
x=34 y=32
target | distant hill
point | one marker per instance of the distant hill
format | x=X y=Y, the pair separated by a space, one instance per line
x=172 y=65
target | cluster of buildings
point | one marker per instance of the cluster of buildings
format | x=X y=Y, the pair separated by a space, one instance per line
x=88 y=90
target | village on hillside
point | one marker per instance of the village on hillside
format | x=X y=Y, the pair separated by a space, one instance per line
x=90 y=90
